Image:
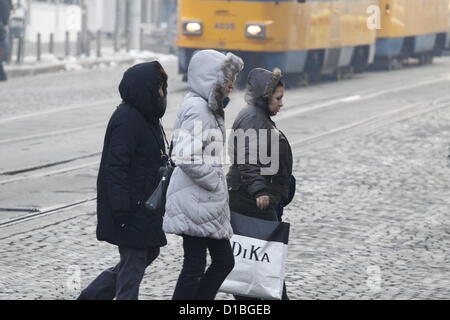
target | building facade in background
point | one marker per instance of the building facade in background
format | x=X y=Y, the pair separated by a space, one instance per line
x=108 y=16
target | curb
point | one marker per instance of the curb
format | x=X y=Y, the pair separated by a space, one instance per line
x=24 y=71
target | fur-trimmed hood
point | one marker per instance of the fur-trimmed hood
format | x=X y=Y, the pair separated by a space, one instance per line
x=260 y=86
x=209 y=73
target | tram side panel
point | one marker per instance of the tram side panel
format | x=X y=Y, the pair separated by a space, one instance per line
x=320 y=37
x=411 y=29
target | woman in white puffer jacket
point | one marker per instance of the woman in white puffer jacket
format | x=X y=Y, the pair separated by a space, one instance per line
x=197 y=198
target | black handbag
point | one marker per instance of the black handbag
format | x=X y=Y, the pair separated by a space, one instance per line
x=157 y=200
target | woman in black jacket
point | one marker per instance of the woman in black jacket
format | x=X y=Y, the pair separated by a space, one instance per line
x=134 y=150
x=257 y=187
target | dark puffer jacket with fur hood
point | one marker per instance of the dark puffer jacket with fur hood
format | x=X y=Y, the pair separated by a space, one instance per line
x=247 y=179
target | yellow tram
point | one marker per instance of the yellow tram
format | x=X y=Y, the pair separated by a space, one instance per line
x=300 y=37
x=311 y=38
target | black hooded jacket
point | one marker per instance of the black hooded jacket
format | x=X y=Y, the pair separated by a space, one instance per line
x=130 y=162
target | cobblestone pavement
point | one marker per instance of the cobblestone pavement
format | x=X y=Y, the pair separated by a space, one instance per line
x=81 y=87
x=31 y=94
x=370 y=221
x=372 y=216
x=62 y=89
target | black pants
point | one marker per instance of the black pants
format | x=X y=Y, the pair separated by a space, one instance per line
x=196 y=284
x=2 y=72
x=121 y=282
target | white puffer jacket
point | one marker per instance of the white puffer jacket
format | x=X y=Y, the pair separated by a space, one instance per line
x=197 y=197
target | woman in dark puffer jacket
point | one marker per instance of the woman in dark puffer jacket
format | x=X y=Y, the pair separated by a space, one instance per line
x=260 y=186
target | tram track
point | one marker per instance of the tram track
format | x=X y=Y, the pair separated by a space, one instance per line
x=375 y=122
x=64 y=166
x=361 y=96
x=357 y=127
x=50 y=173
x=57 y=110
x=47 y=165
x=289 y=110
x=39 y=213
x=52 y=133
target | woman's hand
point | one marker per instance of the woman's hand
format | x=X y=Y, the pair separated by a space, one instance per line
x=263 y=202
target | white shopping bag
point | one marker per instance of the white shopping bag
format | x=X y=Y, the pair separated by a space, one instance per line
x=260 y=251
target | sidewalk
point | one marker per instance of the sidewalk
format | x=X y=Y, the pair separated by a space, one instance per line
x=57 y=62
x=50 y=63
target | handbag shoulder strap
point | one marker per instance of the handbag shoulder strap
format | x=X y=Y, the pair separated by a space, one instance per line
x=169 y=146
